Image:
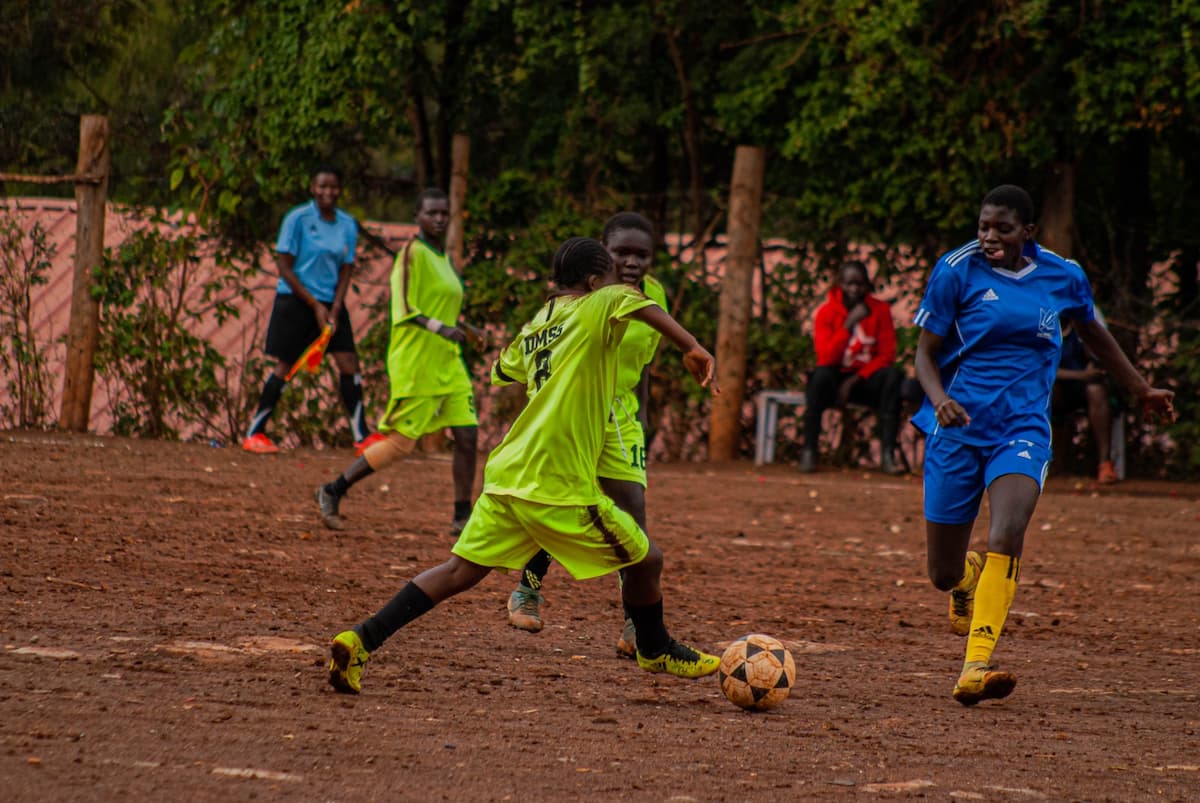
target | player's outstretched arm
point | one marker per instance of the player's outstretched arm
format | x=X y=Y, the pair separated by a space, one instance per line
x=696 y=358
x=1156 y=401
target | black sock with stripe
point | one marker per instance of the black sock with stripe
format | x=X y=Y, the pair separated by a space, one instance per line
x=272 y=390
x=401 y=609
x=350 y=387
x=652 y=636
x=535 y=570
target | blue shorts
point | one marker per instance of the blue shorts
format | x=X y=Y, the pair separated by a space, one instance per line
x=957 y=474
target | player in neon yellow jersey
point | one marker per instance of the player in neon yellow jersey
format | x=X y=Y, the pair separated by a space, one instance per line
x=540 y=486
x=629 y=238
x=429 y=387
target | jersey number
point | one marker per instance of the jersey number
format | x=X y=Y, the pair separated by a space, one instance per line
x=639 y=457
x=541 y=367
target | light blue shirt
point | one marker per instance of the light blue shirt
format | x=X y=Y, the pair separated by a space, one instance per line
x=320 y=247
x=1001 y=340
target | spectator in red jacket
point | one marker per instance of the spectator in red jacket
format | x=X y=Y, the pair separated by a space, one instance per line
x=855 y=341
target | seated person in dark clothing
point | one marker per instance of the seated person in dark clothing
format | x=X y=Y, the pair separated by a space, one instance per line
x=855 y=342
x=1081 y=384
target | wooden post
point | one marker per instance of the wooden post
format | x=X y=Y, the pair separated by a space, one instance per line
x=83 y=331
x=733 y=317
x=1057 y=219
x=460 y=158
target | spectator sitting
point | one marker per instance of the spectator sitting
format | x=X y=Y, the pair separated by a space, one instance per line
x=855 y=342
x=1080 y=383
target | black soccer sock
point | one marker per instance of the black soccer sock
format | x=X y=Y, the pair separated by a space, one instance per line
x=359 y=469
x=652 y=636
x=535 y=570
x=272 y=390
x=621 y=587
x=462 y=510
x=350 y=386
x=409 y=603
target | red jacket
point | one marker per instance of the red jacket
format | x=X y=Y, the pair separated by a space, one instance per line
x=872 y=344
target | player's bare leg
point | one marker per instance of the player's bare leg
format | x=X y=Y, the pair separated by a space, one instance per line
x=656 y=650
x=954 y=569
x=631 y=497
x=351 y=648
x=466 y=454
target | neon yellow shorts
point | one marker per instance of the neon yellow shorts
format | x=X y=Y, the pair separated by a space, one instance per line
x=421 y=415
x=624 y=453
x=504 y=532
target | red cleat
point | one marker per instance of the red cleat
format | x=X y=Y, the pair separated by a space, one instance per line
x=259 y=444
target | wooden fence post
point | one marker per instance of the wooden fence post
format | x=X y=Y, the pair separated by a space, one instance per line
x=733 y=316
x=83 y=331
x=460 y=158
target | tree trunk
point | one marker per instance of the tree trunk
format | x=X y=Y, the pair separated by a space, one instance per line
x=745 y=213
x=459 y=162
x=422 y=161
x=1057 y=221
x=1131 y=303
x=691 y=141
x=83 y=330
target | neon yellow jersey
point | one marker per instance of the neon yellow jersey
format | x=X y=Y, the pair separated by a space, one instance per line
x=567 y=358
x=421 y=363
x=637 y=350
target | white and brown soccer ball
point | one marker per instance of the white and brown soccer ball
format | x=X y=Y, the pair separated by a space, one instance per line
x=756 y=672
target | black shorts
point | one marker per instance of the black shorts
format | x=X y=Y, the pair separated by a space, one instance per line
x=1068 y=396
x=293 y=327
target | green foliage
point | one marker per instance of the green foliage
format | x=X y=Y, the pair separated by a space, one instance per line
x=64 y=58
x=152 y=292
x=885 y=122
x=24 y=262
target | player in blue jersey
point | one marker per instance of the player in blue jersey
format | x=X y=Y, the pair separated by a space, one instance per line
x=314 y=254
x=986 y=358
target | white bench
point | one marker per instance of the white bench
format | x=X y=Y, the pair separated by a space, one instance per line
x=766 y=408
x=766 y=420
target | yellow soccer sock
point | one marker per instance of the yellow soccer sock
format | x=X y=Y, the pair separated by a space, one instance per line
x=993 y=598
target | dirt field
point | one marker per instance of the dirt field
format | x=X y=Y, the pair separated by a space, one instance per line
x=166 y=610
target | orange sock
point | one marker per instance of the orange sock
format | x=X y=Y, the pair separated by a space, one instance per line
x=993 y=598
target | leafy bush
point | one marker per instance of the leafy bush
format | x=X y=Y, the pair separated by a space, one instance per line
x=24 y=262
x=153 y=291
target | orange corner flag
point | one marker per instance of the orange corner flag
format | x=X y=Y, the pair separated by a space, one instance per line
x=310 y=360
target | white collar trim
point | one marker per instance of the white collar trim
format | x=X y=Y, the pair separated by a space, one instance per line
x=1017 y=274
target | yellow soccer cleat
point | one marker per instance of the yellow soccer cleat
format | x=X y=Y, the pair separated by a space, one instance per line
x=979 y=681
x=962 y=603
x=348 y=657
x=681 y=661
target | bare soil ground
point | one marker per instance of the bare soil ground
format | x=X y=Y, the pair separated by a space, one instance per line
x=165 y=611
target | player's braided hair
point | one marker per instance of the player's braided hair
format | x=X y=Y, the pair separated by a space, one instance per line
x=578 y=258
x=1011 y=197
x=626 y=220
x=428 y=194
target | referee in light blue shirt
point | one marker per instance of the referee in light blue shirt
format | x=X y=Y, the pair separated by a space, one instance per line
x=986 y=358
x=315 y=257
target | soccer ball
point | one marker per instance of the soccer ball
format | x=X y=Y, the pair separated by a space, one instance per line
x=756 y=672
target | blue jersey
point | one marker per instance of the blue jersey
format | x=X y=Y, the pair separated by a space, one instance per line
x=320 y=247
x=1001 y=340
